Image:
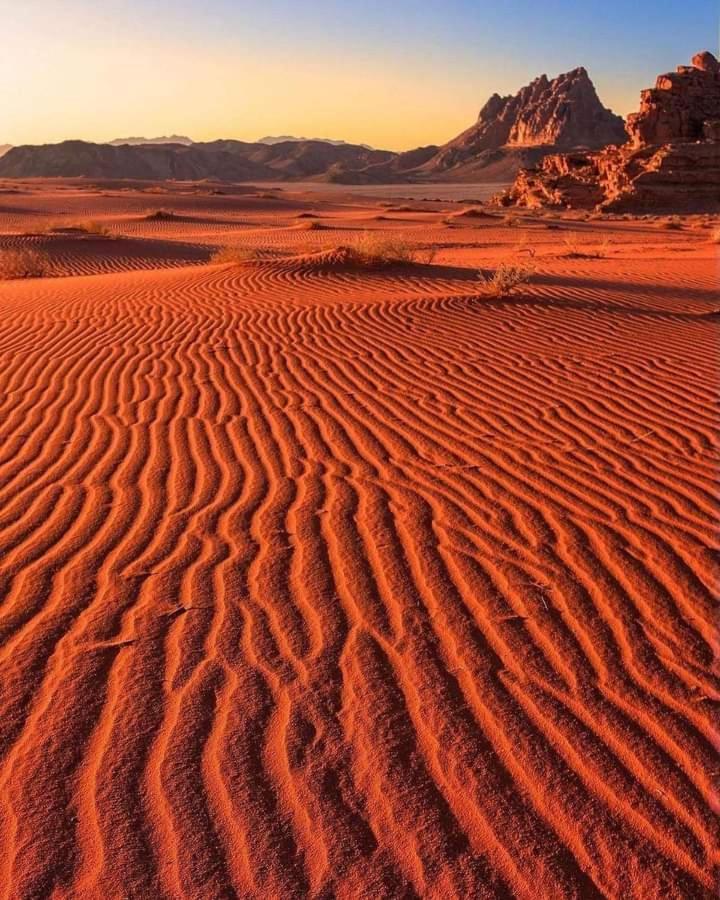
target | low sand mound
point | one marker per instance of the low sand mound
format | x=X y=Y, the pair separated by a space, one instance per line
x=335 y=259
x=473 y=212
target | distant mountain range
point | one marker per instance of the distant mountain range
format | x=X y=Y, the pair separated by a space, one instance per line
x=282 y=139
x=510 y=132
x=183 y=139
x=139 y=141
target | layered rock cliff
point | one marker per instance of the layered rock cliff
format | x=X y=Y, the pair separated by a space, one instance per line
x=671 y=159
x=680 y=106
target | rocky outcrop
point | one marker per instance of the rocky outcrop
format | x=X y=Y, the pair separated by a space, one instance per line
x=664 y=176
x=544 y=116
x=678 y=107
x=671 y=160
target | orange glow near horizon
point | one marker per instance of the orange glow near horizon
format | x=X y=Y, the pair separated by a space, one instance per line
x=99 y=75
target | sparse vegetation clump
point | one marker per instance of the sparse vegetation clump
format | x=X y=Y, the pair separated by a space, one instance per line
x=372 y=249
x=161 y=215
x=506 y=279
x=84 y=226
x=577 y=249
x=672 y=224
x=369 y=250
x=235 y=255
x=23 y=263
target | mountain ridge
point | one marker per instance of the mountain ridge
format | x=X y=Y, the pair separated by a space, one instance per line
x=510 y=132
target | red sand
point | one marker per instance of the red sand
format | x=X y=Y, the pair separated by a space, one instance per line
x=357 y=584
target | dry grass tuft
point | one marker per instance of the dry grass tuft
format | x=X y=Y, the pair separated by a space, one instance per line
x=578 y=249
x=373 y=250
x=235 y=256
x=23 y=263
x=161 y=215
x=505 y=279
x=84 y=226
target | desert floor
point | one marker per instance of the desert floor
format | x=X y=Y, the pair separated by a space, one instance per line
x=326 y=581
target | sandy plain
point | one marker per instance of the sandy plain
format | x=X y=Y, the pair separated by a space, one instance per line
x=319 y=580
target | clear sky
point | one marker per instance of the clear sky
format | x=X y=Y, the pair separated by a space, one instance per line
x=392 y=73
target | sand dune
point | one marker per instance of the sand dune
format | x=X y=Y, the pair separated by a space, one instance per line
x=327 y=583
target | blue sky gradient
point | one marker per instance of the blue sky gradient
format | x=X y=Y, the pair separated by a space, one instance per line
x=392 y=74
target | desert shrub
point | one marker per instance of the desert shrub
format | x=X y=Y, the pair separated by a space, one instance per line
x=89 y=226
x=577 y=249
x=574 y=247
x=505 y=279
x=372 y=249
x=235 y=255
x=715 y=236
x=510 y=222
x=23 y=263
x=673 y=224
x=161 y=215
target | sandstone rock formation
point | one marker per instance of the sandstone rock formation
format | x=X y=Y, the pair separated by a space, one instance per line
x=671 y=160
x=559 y=114
x=679 y=105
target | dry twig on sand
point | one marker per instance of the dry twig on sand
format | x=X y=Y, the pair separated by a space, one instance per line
x=505 y=279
